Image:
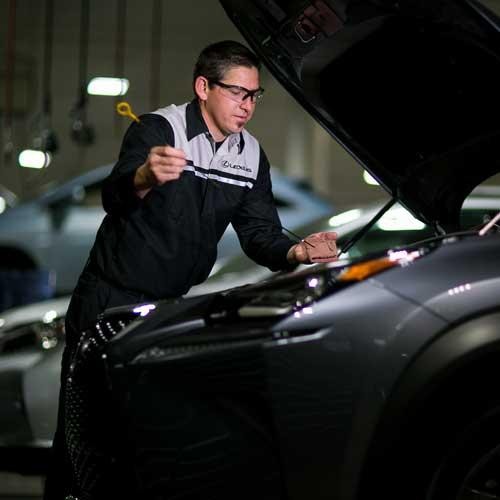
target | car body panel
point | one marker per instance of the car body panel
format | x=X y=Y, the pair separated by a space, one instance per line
x=333 y=367
x=465 y=280
x=41 y=386
x=15 y=428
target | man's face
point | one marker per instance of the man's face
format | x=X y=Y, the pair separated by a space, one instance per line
x=222 y=112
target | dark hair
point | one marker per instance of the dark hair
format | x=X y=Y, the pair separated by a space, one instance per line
x=218 y=58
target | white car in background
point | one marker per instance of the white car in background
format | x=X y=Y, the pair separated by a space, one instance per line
x=31 y=345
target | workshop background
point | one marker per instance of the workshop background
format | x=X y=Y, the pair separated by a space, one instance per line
x=152 y=43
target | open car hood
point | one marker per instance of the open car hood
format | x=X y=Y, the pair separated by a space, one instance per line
x=410 y=87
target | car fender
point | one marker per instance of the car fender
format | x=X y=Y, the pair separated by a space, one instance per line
x=462 y=352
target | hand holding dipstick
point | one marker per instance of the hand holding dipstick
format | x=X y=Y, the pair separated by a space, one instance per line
x=163 y=164
x=324 y=248
x=315 y=248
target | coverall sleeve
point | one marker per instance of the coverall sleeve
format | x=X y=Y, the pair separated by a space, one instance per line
x=258 y=226
x=118 y=191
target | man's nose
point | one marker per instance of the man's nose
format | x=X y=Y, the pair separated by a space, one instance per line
x=247 y=104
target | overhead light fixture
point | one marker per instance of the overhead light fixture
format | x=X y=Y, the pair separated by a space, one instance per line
x=32 y=158
x=399 y=219
x=345 y=217
x=102 y=85
x=3 y=206
x=369 y=179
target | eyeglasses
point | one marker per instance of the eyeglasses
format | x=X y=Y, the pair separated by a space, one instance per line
x=239 y=94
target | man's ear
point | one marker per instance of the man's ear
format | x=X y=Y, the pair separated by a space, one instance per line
x=201 y=87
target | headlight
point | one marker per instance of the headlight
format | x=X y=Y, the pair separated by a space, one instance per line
x=363 y=270
x=43 y=335
x=277 y=302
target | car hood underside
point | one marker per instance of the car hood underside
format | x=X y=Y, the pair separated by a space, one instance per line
x=409 y=88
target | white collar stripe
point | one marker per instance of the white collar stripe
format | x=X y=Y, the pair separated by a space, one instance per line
x=216 y=177
x=221 y=172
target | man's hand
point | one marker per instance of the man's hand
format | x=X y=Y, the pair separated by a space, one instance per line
x=163 y=164
x=317 y=247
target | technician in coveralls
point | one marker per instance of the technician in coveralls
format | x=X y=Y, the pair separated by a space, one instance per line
x=183 y=174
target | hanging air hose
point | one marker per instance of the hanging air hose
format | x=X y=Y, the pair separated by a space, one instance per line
x=45 y=138
x=121 y=22
x=8 y=143
x=155 y=55
x=81 y=132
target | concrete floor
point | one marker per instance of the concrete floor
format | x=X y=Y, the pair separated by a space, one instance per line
x=18 y=487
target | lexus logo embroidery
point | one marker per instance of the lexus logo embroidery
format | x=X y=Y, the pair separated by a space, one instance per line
x=228 y=164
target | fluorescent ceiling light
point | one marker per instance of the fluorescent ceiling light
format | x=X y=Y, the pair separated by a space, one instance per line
x=345 y=217
x=32 y=158
x=399 y=219
x=102 y=85
x=369 y=179
x=3 y=204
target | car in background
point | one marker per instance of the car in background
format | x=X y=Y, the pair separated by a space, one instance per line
x=54 y=232
x=31 y=345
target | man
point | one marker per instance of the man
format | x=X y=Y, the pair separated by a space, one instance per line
x=184 y=173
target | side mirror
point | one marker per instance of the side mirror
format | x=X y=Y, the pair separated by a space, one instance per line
x=58 y=211
x=60 y=207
